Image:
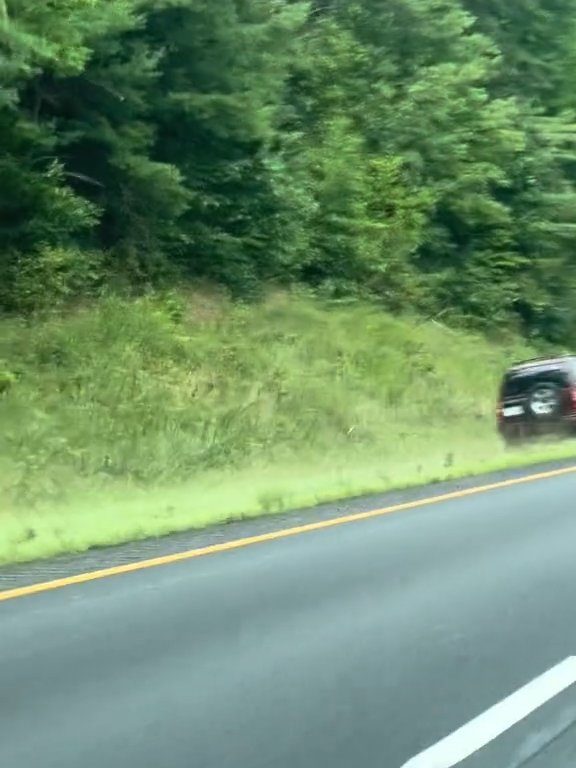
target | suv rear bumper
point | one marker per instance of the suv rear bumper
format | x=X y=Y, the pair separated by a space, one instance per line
x=515 y=429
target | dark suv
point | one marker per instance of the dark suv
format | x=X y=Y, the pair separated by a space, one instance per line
x=538 y=397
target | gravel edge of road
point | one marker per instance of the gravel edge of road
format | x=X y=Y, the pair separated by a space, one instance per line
x=22 y=575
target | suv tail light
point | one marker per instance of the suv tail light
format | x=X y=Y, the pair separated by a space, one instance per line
x=572 y=398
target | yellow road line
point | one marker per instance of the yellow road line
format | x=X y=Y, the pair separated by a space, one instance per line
x=81 y=578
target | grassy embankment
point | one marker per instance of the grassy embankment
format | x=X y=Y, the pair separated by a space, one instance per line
x=137 y=418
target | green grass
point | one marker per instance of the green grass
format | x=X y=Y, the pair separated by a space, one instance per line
x=134 y=418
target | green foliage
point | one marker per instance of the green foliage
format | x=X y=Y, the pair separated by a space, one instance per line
x=46 y=280
x=536 y=41
x=218 y=112
x=422 y=152
x=166 y=387
x=7 y=379
x=128 y=418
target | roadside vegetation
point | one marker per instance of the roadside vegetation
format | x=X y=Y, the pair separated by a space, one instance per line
x=130 y=418
x=378 y=199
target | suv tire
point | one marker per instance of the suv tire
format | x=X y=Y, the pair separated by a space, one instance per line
x=544 y=401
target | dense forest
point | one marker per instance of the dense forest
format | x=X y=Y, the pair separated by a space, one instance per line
x=418 y=152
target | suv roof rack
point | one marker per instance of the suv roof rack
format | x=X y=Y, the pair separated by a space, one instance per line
x=539 y=360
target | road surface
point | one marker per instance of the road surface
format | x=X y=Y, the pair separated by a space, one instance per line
x=357 y=646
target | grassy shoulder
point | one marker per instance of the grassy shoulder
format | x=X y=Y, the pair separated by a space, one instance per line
x=136 y=418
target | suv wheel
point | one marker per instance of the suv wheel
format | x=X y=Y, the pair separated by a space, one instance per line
x=544 y=401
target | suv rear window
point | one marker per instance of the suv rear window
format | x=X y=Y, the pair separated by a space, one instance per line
x=519 y=382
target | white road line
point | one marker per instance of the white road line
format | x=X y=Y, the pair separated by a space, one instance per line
x=495 y=721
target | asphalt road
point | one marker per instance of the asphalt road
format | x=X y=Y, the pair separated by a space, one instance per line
x=357 y=646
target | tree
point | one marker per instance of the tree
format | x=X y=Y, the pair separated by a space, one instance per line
x=535 y=40
x=364 y=219
x=537 y=66
x=428 y=104
x=419 y=151
x=218 y=107
x=37 y=207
